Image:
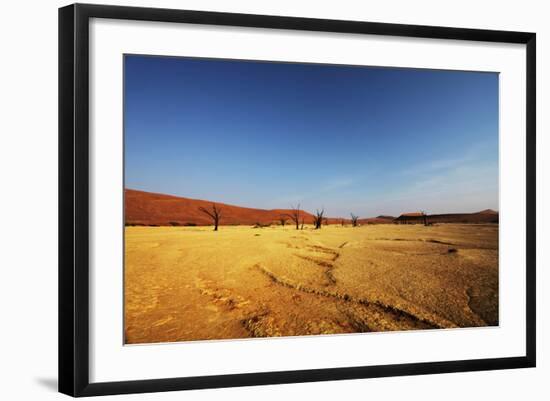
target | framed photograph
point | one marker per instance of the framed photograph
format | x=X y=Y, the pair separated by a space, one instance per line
x=250 y=199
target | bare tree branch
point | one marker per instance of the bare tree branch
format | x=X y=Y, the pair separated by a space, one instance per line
x=424 y=217
x=354 y=220
x=215 y=214
x=206 y=211
x=318 y=218
x=294 y=215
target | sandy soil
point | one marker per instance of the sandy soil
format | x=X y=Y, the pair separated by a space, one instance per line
x=191 y=283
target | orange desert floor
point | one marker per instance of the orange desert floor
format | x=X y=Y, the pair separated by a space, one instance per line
x=191 y=283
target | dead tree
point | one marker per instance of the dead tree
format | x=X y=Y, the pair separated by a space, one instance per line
x=215 y=214
x=302 y=227
x=283 y=220
x=354 y=220
x=342 y=221
x=318 y=219
x=294 y=215
x=425 y=218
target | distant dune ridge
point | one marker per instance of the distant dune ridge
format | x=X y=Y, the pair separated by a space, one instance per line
x=486 y=216
x=147 y=208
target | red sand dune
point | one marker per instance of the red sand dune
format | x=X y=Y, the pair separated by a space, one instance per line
x=146 y=208
x=485 y=216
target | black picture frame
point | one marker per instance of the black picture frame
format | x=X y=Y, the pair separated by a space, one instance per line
x=74 y=199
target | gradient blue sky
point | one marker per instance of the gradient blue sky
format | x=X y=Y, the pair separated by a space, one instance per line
x=350 y=139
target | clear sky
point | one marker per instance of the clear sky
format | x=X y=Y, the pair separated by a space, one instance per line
x=350 y=139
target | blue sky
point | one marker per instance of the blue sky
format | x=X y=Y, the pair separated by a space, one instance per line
x=350 y=139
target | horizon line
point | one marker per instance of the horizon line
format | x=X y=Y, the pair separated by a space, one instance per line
x=291 y=206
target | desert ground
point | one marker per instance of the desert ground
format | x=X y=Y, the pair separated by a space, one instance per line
x=191 y=283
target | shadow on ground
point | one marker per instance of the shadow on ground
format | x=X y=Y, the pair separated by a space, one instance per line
x=47 y=382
